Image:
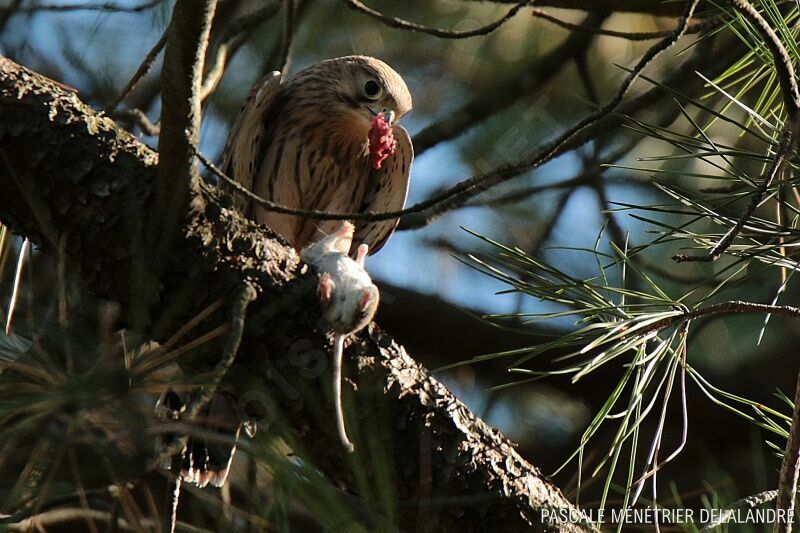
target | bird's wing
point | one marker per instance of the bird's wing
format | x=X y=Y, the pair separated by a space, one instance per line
x=239 y=159
x=386 y=191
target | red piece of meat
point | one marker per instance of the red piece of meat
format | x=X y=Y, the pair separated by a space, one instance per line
x=382 y=143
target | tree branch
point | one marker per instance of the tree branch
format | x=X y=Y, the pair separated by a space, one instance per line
x=181 y=82
x=402 y=24
x=650 y=7
x=790 y=471
x=234 y=35
x=784 y=69
x=141 y=71
x=733 y=307
x=627 y=35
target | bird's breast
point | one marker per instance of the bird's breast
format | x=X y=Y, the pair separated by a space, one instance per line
x=317 y=161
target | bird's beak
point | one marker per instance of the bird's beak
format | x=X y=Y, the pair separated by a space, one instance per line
x=388 y=114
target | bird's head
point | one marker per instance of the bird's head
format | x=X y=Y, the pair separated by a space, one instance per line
x=371 y=87
x=356 y=89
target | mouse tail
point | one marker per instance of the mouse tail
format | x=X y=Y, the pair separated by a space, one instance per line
x=338 y=351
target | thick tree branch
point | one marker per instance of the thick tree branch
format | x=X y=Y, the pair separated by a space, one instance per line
x=181 y=81
x=88 y=180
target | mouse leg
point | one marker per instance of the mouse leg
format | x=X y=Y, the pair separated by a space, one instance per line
x=361 y=254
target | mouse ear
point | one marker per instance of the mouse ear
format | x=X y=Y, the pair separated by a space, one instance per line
x=325 y=288
x=368 y=298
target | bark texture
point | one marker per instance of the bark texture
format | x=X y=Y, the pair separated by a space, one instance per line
x=76 y=184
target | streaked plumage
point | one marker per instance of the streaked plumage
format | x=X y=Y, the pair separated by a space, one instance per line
x=304 y=143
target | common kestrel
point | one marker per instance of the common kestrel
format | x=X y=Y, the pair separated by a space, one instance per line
x=322 y=141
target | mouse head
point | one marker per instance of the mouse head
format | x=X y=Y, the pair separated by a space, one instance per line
x=346 y=310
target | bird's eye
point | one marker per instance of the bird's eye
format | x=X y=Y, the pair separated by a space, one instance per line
x=372 y=90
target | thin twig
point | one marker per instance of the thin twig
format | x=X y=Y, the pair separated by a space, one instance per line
x=784 y=147
x=747 y=502
x=590 y=175
x=287 y=37
x=200 y=399
x=233 y=36
x=145 y=66
x=138 y=117
x=630 y=36
x=238 y=311
x=403 y=24
x=519 y=195
x=459 y=193
x=723 y=308
x=214 y=74
x=662 y=9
